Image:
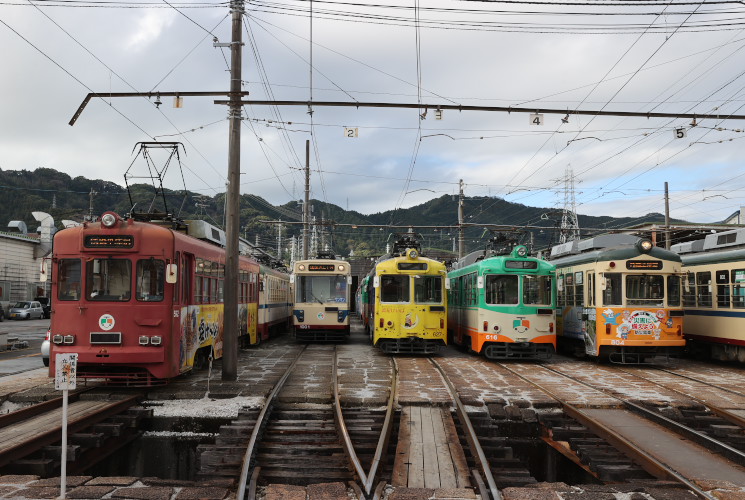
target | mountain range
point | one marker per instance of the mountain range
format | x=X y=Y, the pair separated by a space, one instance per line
x=68 y=198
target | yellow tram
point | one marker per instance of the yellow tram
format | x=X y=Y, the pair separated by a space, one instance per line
x=408 y=299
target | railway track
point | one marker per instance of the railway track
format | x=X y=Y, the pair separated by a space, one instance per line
x=30 y=437
x=299 y=444
x=671 y=457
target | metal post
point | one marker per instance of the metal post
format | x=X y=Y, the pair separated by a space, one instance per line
x=232 y=230
x=667 y=219
x=461 y=240
x=306 y=207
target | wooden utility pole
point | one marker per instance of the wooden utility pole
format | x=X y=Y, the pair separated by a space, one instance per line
x=233 y=222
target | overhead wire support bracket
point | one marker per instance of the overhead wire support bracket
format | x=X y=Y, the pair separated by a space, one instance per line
x=503 y=109
x=144 y=94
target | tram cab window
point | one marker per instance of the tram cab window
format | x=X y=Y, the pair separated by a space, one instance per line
x=108 y=280
x=612 y=294
x=321 y=289
x=394 y=288
x=537 y=290
x=150 y=280
x=428 y=290
x=673 y=291
x=738 y=288
x=69 y=279
x=703 y=289
x=501 y=289
x=645 y=290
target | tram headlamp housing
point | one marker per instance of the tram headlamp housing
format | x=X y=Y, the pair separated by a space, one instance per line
x=144 y=340
x=69 y=339
x=108 y=219
x=413 y=254
x=522 y=251
x=57 y=339
x=156 y=340
x=301 y=267
x=645 y=245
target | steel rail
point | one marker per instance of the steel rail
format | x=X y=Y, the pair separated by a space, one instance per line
x=37 y=409
x=366 y=479
x=471 y=437
x=341 y=427
x=260 y=423
x=737 y=393
x=385 y=434
x=648 y=462
x=50 y=436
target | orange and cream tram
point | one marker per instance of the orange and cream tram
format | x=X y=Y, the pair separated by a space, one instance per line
x=618 y=298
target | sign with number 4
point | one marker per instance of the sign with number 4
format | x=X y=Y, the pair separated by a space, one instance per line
x=536 y=118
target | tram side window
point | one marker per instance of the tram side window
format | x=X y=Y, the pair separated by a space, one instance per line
x=738 y=288
x=108 y=280
x=703 y=289
x=673 y=291
x=537 y=290
x=68 y=279
x=723 y=298
x=428 y=290
x=689 y=293
x=579 y=289
x=501 y=289
x=394 y=288
x=569 y=289
x=150 y=280
x=612 y=294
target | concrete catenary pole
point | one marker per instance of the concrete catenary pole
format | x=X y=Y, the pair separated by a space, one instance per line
x=230 y=332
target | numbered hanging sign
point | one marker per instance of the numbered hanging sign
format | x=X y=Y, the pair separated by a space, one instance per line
x=66 y=368
x=680 y=132
x=351 y=132
x=536 y=118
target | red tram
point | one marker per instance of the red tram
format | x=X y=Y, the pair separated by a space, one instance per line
x=141 y=302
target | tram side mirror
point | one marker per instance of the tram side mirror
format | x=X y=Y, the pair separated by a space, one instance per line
x=560 y=285
x=447 y=284
x=349 y=280
x=171 y=273
x=43 y=272
x=376 y=282
x=603 y=283
x=480 y=282
x=292 y=279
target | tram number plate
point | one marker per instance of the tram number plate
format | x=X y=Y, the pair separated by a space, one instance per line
x=303 y=327
x=617 y=342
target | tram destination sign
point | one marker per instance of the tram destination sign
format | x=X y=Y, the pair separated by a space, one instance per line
x=109 y=241
x=321 y=267
x=644 y=265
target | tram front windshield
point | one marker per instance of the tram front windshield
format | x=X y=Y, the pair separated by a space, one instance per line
x=321 y=289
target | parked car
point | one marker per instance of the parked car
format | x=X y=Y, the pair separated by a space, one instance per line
x=45 y=349
x=46 y=305
x=26 y=309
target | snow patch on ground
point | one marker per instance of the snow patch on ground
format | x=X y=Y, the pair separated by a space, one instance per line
x=203 y=408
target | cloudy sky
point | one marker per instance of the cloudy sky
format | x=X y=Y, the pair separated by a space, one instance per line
x=674 y=57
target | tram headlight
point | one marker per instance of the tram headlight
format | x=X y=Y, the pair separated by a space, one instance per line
x=57 y=339
x=522 y=251
x=108 y=220
x=156 y=340
x=645 y=245
x=341 y=267
x=69 y=339
x=144 y=340
x=413 y=254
